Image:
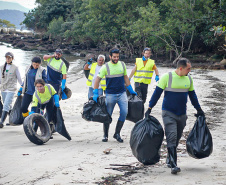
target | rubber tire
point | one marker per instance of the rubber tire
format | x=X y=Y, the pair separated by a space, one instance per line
x=43 y=125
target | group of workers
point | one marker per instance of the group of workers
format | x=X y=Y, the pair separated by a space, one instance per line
x=110 y=78
x=177 y=85
x=40 y=89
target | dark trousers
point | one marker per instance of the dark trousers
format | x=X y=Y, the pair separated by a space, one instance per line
x=27 y=99
x=141 y=90
x=49 y=109
x=56 y=86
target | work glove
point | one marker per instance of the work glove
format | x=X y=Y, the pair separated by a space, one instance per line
x=157 y=78
x=63 y=84
x=56 y=100
x=20 y=91
x=89 y=61
x=143 y=58
x=130 y=89
x=32 y=112
x=199 y=112
x=95 y=95
x=148 y=112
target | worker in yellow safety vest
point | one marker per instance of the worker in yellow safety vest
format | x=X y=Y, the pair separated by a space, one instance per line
x=94 y=70
x=143 y=72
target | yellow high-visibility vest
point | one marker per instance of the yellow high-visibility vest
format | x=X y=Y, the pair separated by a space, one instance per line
x=143 y=73
x=91 y=75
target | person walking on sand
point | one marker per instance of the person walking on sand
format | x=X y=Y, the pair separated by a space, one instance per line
x=177 y=85
x=144 y=68
x=33 y=72
x=116 y=77
x=94 y=70
x=56 y=70
x=9 y=75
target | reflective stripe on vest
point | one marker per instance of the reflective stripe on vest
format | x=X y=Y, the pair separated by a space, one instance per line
x=39 y=99
x=91 y=75
x=113 y=76
x=144 y=74
x=53 y=68
x=169 y=88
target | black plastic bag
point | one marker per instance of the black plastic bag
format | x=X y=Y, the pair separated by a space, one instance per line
x=199 y=143
x=135 y=108
x=59 y=123
x=1 y=106
x=16 y=117
x=146 y=139
x=96 y=112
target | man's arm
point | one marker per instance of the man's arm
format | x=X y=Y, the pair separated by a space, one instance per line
x=132 y=72
x=126 y=80
x=46 y=57
x=156 y=71
x=64 y=76
x=86 y=67
x=97 y=82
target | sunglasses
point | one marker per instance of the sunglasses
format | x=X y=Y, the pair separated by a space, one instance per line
x=147 y=49
x=115 y=51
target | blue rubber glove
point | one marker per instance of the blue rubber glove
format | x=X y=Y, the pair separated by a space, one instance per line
x=63 y=84
x=95 y=95
x=157 y=78
x=64 y=96
x=56 y=100
x=89 y=61
x=143 y=58
x=20 y=91
x=32 y=112
x=130 y=89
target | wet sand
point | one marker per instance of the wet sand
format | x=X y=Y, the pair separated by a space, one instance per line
x=82 y=160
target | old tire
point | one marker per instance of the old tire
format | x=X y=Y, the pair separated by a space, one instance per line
x=43 y=125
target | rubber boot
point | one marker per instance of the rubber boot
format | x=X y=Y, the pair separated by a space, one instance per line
x=4 y=115
x=117 y=131
x=106 y=129
x=172 y=151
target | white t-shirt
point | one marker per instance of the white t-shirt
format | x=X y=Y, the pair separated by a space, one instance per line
x=95 y=75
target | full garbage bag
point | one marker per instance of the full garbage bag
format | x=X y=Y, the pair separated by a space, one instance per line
x=96 y=112
x=16 y=117
x=135 y=108
x=146 y=139
x=65 y=94
x=59 y=123
x=199 y=143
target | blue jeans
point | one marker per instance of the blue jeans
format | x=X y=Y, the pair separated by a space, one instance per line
x=121 y=100
x=90 y=93
x=7 y=98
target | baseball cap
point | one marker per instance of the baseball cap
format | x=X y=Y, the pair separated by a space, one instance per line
x=10 y=54
x=59 y=51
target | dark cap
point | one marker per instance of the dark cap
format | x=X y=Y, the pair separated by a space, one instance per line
x=9 y=54
x=59 y=51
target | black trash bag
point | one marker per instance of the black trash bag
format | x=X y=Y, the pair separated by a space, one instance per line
x=146 y=139
x=135 y=108
x=96 y=112
x=59 y=123
x=66 y=94
x=86 y=72
x=1 y=106
x=199 y=143
x=66 y=62
x=16 y=117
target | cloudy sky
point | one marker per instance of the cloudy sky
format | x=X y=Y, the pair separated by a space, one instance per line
x=26 y=3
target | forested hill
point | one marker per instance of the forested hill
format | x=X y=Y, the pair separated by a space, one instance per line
x=14 y=16
x=172 y=28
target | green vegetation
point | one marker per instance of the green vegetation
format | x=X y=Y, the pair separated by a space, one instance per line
x=174 y=27
x=6 y=24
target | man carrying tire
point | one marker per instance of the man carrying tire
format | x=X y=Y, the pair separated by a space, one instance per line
x=44 y=97
x=116 y=78
x=178 y=85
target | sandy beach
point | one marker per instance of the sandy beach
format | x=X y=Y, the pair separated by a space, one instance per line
x=82 y=160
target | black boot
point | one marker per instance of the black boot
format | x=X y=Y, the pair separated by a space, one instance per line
x=172 y=151
x=117 y=131
x=4 y=115
x=8 y=124
x=106 y=129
